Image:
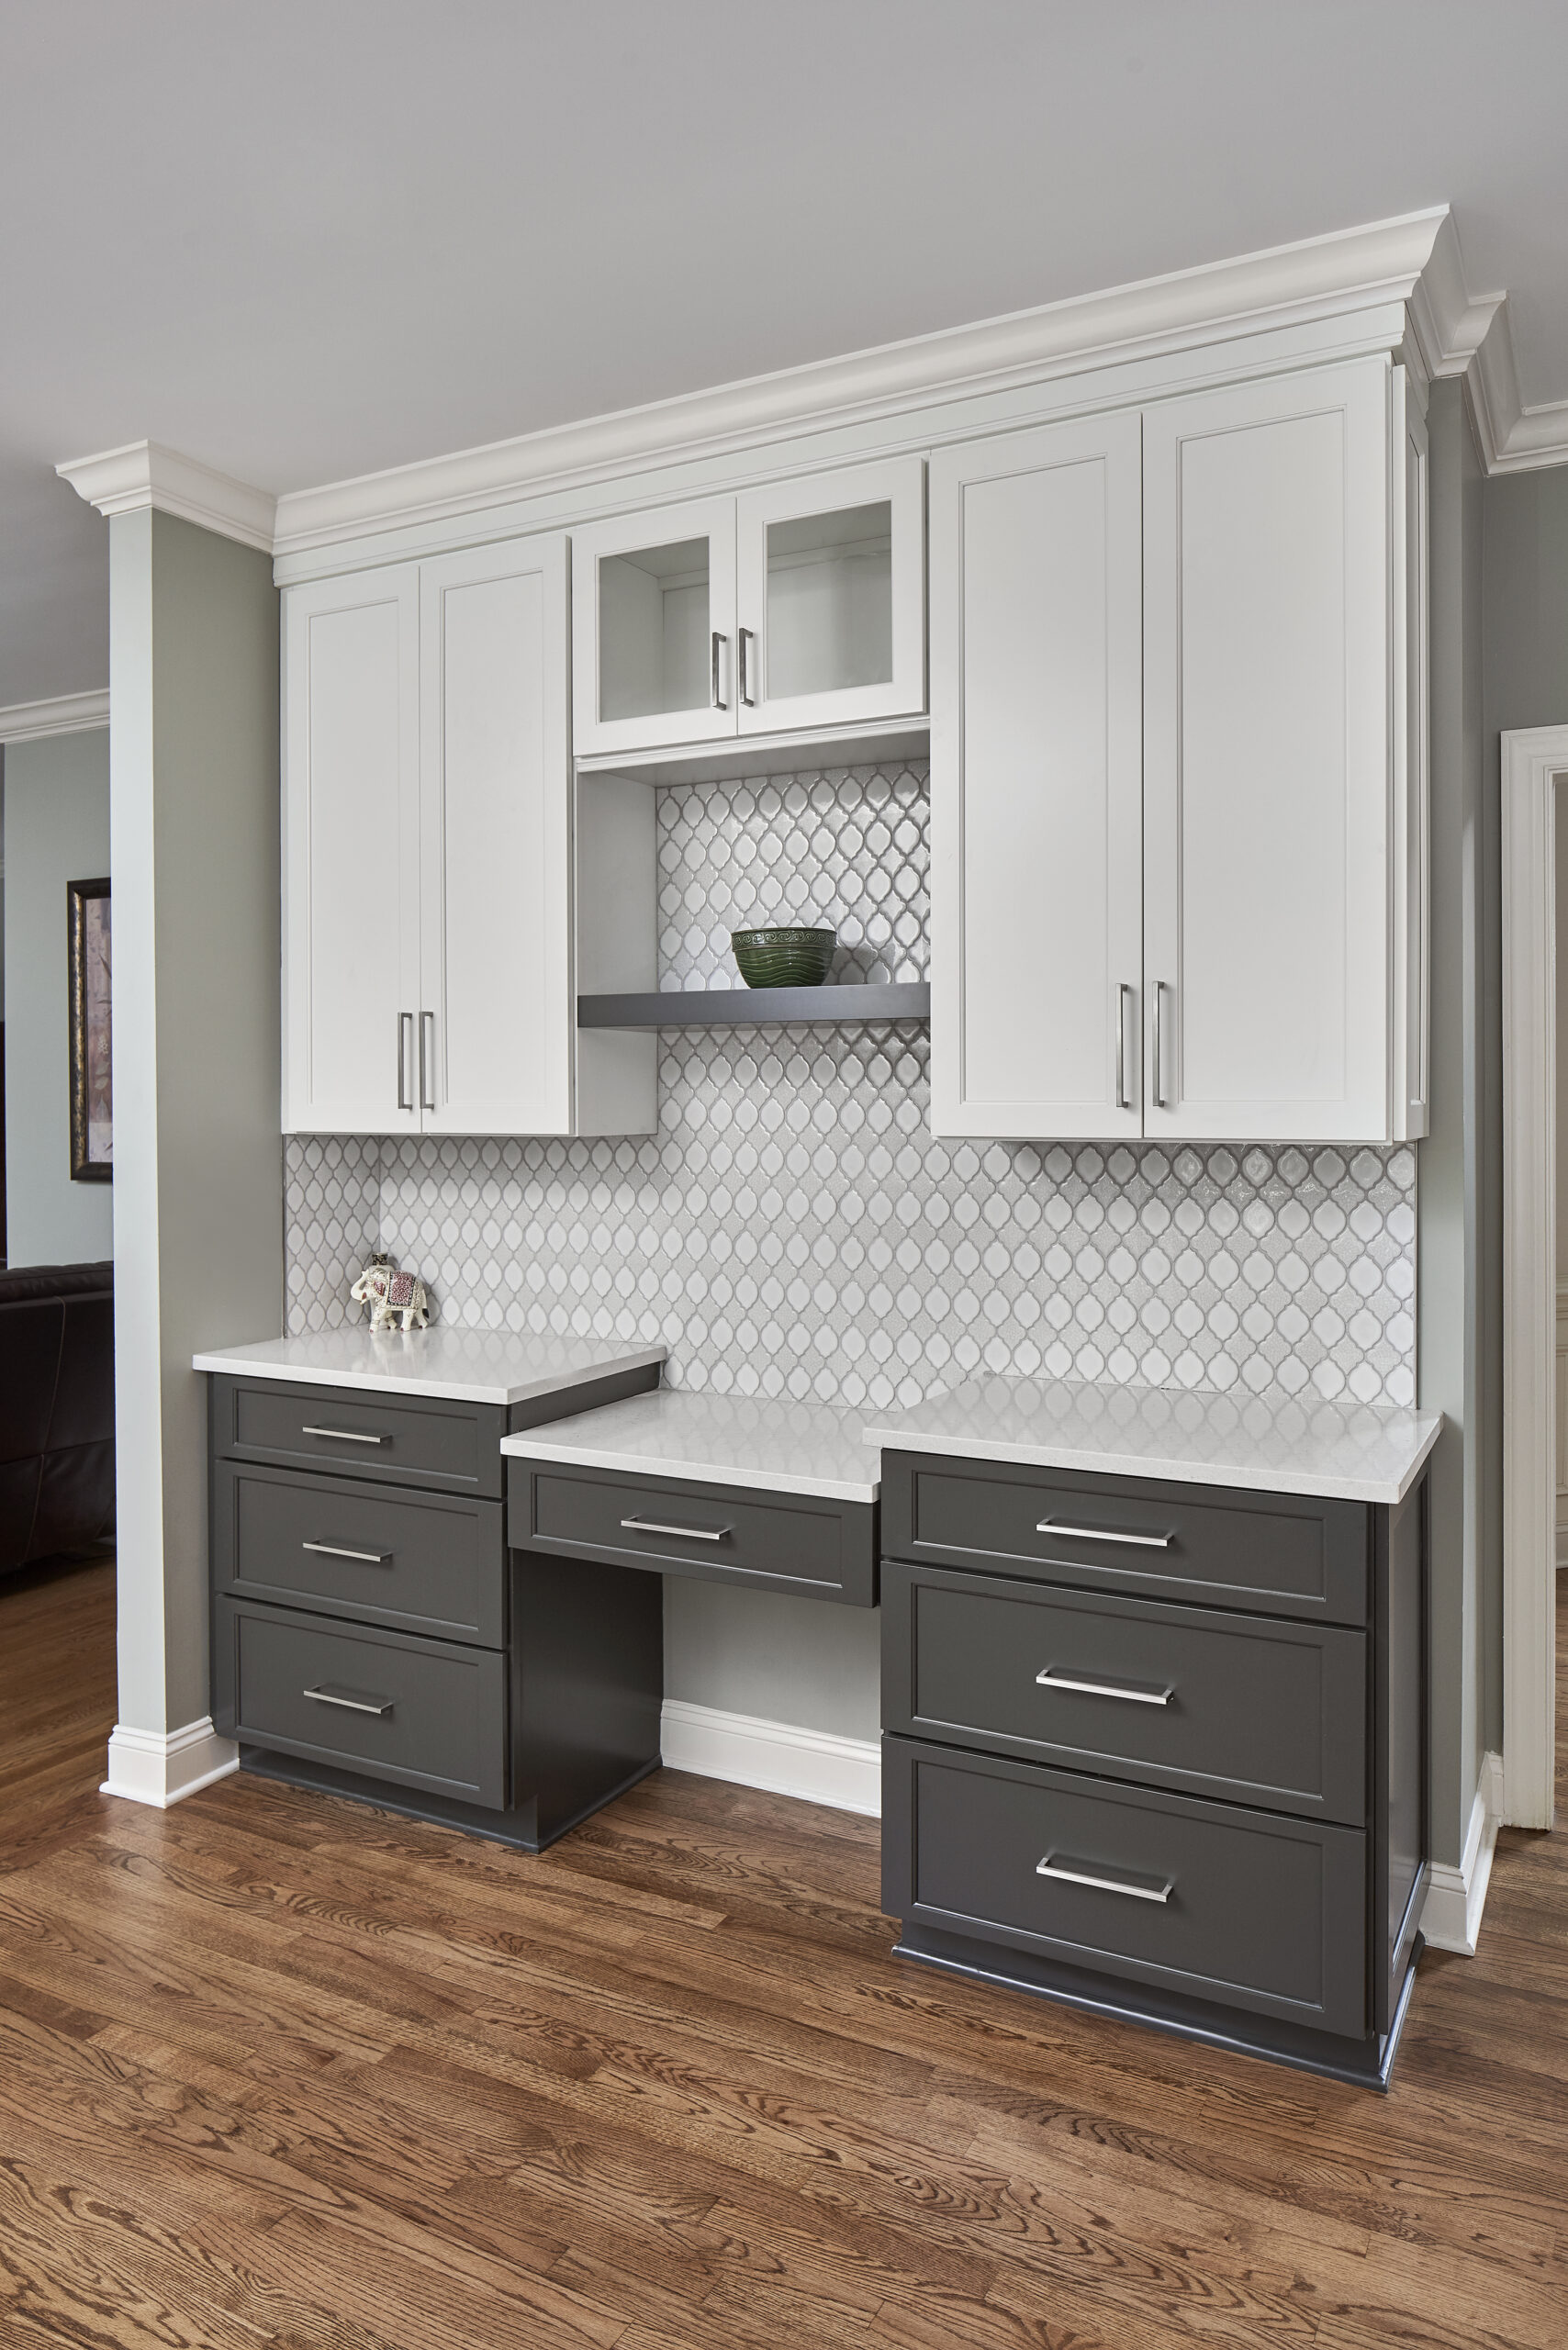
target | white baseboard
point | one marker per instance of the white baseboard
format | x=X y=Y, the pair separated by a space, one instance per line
x=1457 y=1895
x=780 y=1757
x=162 y=1767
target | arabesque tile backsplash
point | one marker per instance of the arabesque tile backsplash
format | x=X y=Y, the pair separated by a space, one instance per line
x=794 y=1228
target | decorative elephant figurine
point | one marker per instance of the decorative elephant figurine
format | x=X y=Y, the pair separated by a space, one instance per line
x=392 y=1296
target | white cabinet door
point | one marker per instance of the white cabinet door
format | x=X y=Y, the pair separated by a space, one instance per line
x=350 y=957
x=831 y=598
x=1266 y=762
x=1036 y=748
x=653 y=628
x=496 y=1008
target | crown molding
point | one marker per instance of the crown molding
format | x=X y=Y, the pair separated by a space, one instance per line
x=144 y=474
x=29 y=721
x=1321 y=276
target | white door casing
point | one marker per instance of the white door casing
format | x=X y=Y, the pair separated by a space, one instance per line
x=1267 y=684
x=495 y=1009
x=1035 y=782
x=351 y=849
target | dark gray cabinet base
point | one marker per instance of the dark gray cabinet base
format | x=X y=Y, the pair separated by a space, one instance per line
x=1365 y=2063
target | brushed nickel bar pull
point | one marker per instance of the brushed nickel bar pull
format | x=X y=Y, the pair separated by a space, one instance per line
x=683 y=1533
x=1052 y=1679
x=1049 y=1867
x=718 y=700
x=1162 y=1099
x=746 y=636
x=1103 y=1534
x=344 y=1436
x=336 y=1551
x=427 y=1061
x=405 y=1054
x=1122 y=992
x=350 y=1705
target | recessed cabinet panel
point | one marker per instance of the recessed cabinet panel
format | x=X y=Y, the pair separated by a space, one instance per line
x=1037 y=849
x=1267 y=759
x=830 y=599
x=350 y=852
x=496 y=1014
x=653 y=625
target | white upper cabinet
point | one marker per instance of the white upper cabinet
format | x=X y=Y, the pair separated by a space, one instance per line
x=496 y=1010
x=1267 y=735
x=428 y=931
x=1233 y=943
x=795 y=607
x=350 y=964
x=1036 y=945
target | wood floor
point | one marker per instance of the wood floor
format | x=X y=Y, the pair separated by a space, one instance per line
x=278 y=2071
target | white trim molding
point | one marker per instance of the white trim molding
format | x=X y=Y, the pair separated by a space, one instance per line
x=162 y=1767
x=1317 y=278
x=1456 y=1896
x=1532 y=763
x=30 y=722
x=814 y=1765
x=144 y=474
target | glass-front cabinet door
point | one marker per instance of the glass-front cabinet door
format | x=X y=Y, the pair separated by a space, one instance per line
x=831 y=598
x=653 y=628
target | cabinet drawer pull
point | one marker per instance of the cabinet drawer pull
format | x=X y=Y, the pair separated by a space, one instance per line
x=682 y=1533
x=1052 y=1679
x=718 y=700
x=427 y=1061
x=405 y=1050
x=350 y=1705
x=336 y=1551
x=1161 y=1098
x=747 y=636
x=1050 y=1866
x=1122 y=992
x=1103 y=1534
x=344 y=1436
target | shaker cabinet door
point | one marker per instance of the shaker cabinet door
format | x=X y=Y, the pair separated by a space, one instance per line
x=351 y=956
x=1037 y=886
x=653 y=628
x=1267 y=759
x=496 y=1011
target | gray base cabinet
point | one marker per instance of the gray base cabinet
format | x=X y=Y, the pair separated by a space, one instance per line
x=1160 y=1750
x=371 y=1636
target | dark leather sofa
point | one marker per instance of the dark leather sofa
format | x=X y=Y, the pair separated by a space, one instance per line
x=57 y=1410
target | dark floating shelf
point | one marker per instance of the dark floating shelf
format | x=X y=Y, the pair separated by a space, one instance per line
x=757 y=1007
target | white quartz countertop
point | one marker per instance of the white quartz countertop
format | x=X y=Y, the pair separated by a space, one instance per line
x=461 y=1366
x=1276 y=1444
x=777 y=1445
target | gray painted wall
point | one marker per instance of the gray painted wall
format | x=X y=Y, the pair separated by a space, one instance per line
x=56 y=831
x=198 y=1214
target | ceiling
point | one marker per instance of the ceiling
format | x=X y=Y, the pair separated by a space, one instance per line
x=305 y=239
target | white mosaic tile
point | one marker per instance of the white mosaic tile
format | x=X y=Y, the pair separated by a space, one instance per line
x=793 y=1228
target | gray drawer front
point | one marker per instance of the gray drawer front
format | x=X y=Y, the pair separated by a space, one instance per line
x=1263 y=1912
x=819 y=1548
x=1257 y=1711
x=442 y=1718
x=431 y=1564
x=452 y=1448
x=1274 y=1553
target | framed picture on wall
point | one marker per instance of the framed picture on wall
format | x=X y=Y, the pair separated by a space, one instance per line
x=91 y=1033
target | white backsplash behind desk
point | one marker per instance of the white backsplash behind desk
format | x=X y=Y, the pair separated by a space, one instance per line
x=794 y=1228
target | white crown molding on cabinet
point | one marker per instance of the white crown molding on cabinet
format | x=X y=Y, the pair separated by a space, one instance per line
x=29 y=721
x=144 y=474
x=1414 y=259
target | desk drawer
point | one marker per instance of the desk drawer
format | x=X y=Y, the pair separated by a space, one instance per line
x=1243 y=1907
x=416 y=1713
x=1244 y=1707
x=351 y=1431
x=1278 y=1554
x=432 y=1563
x=817 y=1548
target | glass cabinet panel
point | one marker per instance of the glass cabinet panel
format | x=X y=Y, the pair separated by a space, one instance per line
x=654 y=630
x=830 y=600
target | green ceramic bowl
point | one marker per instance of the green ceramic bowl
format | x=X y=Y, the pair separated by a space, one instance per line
x=783 y=958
